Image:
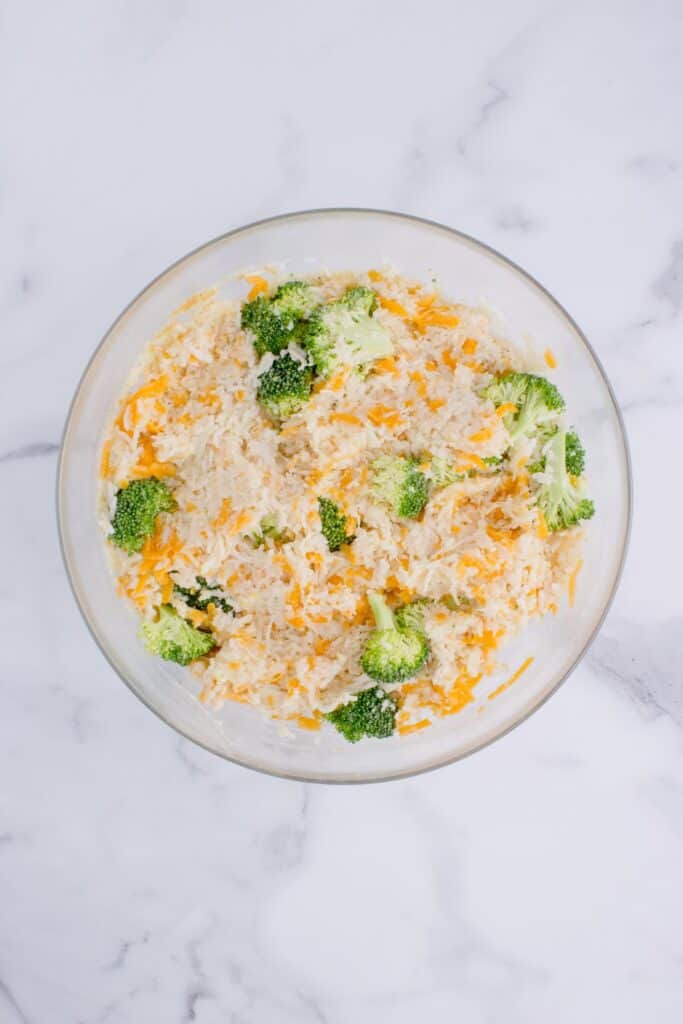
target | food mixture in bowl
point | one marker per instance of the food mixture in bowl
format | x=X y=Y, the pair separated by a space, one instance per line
x=335 y=499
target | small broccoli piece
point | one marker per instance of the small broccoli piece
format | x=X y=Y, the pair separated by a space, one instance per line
x=372 y=713
x=271 y=332
x=204 y=594
x=285 y=387
x=360 y=299
x=275 y=321
x=562 y=500
x=392 y=653
x=333 y=524
x=345 y=333
x=575 y=456
x=270 y=531
x=411 y=615
x=442 y=473
x=293 y=300
x=137 y=507
x=538 y=402
x=174 y=639
x=400 y=484
x=456 y=604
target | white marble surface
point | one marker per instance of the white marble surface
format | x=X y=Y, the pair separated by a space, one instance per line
x=143 y=880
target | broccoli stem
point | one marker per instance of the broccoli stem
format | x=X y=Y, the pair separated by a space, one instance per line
x=384 y=618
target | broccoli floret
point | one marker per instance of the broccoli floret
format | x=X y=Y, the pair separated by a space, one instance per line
x=562 y=500
x=204 y=594
x=285 y=387
x=392 y=653
x=271 y=332
x=270 y=531
x=293 y=300
x=174 y=639
x=538 y=402
x=411 y=615
x=575 y=456
x=345 y=333
x=398 y=482
x=137 y=507
x=372 y=713
x=333 y=524
x=360 y=299
x=275 y=321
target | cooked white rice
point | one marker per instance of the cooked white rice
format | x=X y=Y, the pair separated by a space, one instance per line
x=191 y=416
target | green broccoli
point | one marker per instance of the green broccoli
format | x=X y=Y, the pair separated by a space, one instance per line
x=360 y=299
x=271 y=332
x=538 y=402
x=285 y=387
x=400 y=484
x=562 y=500
x=275 y=321
x=411 y=614
x=371 y=713
x=204 y=594
x=575 y=456
x=333 y=524
x=174 y=639
x=345 y=333
x=137 y=507
x=393 y=652
x=294 y=300
x=456 y=604
x=270 y=531
x=442 y=473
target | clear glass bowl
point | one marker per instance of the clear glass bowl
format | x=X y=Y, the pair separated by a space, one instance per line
x=467 y=271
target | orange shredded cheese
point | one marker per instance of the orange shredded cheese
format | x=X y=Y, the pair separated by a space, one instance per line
x=384 y=416
x=148 y=464
x=513 y=678
x=505 y=408
x=345 y=417
x=550 y=359
x=258 y=285
x=572 y=582
x=418 y=378
x=224 y=514
x=243 y=519
x=472 y=459
x=542 y=528
x=386 y=365
x=105 y=468
x=312 y=724
x=392 y=306
x=375 y=276
x=481 y=435
x=448 y=359
x=405 y=730
x=469 y=346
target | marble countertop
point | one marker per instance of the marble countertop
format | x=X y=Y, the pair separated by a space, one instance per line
x=144 y=880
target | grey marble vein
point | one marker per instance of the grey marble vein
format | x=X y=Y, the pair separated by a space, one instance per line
x=35 y=450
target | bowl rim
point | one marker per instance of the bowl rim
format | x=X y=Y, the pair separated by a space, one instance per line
x=462 y=236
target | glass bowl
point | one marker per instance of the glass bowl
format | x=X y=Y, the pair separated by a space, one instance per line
x=467 y=271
